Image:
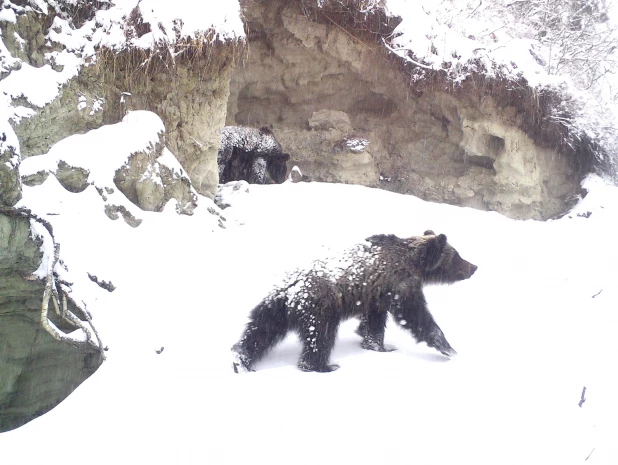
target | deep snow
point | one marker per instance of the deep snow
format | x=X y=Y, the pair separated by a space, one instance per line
x=528 y=331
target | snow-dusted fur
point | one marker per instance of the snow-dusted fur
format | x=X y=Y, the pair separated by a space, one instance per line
x=371 y=280
x=252 y=155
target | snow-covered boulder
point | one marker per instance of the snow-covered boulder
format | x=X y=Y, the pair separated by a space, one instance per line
x=72 y=178
x=228 y=192
x=151 y=178
x=129 y=157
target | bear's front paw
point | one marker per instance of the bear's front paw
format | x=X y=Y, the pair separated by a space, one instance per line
x=437 y=341
x=318 y=369
x=446 y=350
x=442 y=346
x=450 y=352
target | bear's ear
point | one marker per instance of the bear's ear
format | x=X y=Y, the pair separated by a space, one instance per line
x=429 y=232
x=436 y=244
x=433 y=249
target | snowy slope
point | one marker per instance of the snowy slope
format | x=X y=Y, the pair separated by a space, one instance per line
x=528 y=331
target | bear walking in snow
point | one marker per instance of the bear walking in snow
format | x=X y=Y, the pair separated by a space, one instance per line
x=385 y=275
x=252 y=155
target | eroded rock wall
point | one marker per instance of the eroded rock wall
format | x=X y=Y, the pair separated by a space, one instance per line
x=191 y=104
x=36 y=370
x=346 y=111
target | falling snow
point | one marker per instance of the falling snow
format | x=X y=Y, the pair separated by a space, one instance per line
x=528 y=331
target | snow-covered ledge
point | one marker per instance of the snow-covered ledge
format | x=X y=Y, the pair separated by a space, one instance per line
x=75 y=66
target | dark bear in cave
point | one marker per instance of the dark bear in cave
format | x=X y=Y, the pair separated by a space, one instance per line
x=384 y=275
x=252 y=155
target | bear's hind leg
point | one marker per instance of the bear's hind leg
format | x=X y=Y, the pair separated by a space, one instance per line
x=361 y=330
x=371 y=329
x=318 y=335
x=268 y=326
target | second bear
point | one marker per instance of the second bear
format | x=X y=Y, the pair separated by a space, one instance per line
x=385 y=275
x=252 y=155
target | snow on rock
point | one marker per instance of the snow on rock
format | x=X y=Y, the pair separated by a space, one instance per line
x=356 y=145
x=118 y=159
x=172 y=21
x=168 y=159
x=169 y=23
x=295 y=175
x=8 y=15
x=40 y=233
x=465 y=37
x=228 y=192
x=101 y=151
x=39 y=86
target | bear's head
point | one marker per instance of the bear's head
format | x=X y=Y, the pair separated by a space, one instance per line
x=442 y=264
x=277 y=167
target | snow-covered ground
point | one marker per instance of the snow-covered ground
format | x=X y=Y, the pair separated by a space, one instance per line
x=533 y=326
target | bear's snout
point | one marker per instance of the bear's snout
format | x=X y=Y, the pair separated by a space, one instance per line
x=465 y=270
x=471 y=270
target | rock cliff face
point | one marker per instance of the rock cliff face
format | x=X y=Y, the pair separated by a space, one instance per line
x=346 y=111
x=37 y=371
x=339 y=102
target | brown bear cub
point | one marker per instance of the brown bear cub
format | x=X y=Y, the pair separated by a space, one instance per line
x=369 y=281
